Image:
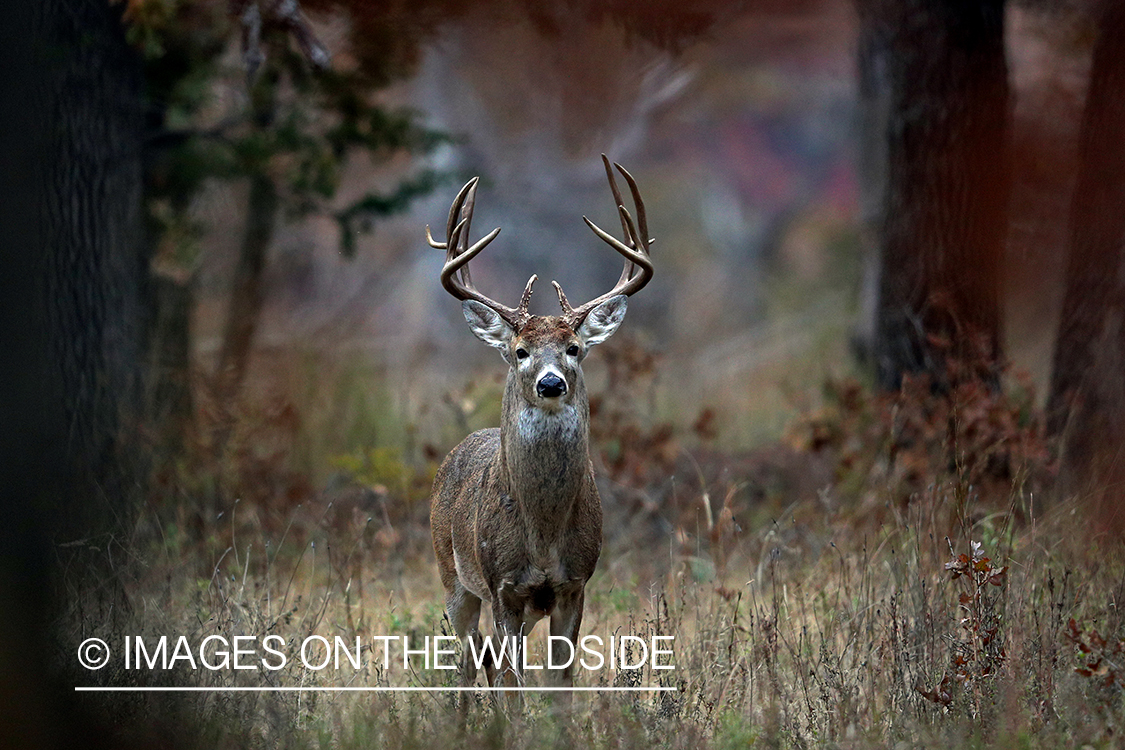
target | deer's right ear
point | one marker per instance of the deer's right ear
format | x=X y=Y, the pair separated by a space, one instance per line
x=487 y=325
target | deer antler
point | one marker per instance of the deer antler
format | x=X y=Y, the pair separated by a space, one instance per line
x=636 y=252
x=455 y=275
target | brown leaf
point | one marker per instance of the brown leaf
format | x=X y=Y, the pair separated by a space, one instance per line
x=704 y=425
x=939 y=694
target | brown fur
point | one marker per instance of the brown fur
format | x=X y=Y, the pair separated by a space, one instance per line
x=515 y=514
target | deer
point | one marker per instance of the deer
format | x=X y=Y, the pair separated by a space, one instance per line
x=515 y=514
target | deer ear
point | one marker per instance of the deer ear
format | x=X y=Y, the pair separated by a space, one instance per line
x=487 y=325
x=603 y=320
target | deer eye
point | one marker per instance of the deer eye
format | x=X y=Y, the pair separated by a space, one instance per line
x=521 y=353
x=572 y=350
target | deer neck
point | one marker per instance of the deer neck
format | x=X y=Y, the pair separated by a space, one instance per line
x=545 y=458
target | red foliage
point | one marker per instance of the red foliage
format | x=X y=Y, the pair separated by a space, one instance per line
x=1103 y=660
x=962 y=428
x=977 y=656
x=631 y=451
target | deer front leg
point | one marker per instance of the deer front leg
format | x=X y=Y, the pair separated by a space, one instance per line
x=509 y=621
x=463 y=608
x=566 y=620
x=464 y=612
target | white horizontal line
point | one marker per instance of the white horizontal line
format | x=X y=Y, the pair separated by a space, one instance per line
x=265 y=689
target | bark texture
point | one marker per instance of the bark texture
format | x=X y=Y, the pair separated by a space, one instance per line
x=942 y=226
x=71 y=120
x=1086 y=405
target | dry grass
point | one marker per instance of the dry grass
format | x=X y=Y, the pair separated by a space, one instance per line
x=789 y=647
x=845 y=617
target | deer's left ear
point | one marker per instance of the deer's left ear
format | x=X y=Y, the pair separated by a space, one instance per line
x=603 y=320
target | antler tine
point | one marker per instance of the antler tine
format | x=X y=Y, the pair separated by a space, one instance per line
x=467 y=219
x=463 y=288
x=455 y=277
x=642 y=220
x=434 y=243
x=564 y=303
x=640 y=257
x=525 y=299
x=627 y=271
x=455 y=207
x=455 y=210
x=636 y=253
x=613 y=188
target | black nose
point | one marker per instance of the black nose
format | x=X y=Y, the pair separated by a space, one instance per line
x=551 y=386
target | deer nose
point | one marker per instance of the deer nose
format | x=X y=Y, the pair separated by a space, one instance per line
x=550 y=386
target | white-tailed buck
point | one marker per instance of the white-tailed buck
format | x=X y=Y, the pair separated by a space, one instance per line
x=515 y=514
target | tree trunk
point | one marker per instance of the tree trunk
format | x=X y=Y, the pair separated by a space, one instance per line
x=948 y=181
x=80 y=272
x=262 y=208
x=169 y=405
x=70 y=115
x=1086 y=405
x=246 y=300
x=873 y=90
x=94 y=268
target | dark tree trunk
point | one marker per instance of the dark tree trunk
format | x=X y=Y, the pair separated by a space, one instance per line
x=31 y=419
x=1086 y=403
x=948 y=181
x=93 y=265
x=82 y=270
x=69 y=287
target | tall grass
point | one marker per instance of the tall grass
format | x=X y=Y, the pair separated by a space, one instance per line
x=944 y=606
x=810 y=636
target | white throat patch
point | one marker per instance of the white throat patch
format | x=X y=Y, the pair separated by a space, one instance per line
x=536 y=424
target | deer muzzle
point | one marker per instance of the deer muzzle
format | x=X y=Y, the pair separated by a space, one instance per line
x=550 y=386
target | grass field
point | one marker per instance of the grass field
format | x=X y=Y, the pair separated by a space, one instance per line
x=925 y=592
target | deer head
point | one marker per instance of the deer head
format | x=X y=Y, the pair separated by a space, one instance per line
x=545 y=352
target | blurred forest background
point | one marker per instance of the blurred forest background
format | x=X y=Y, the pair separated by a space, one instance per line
x=888 y=259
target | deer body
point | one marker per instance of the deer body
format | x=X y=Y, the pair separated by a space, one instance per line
x=515 y=514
